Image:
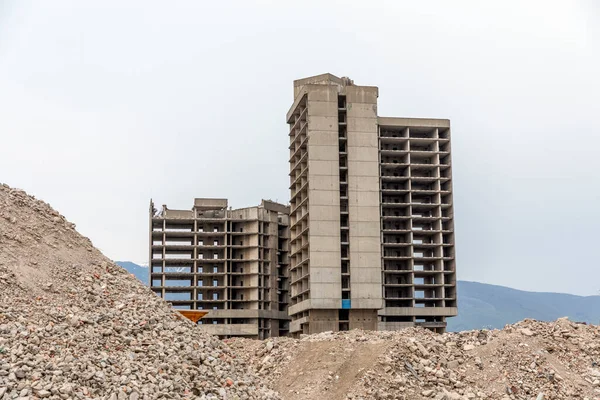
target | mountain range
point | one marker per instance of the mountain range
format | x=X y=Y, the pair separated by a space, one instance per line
x=139 y=271
x=485 y=306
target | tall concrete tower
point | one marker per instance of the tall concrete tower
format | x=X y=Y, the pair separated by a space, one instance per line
x=371 y=220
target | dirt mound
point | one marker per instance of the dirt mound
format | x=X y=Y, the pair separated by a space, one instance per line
x=314 y=367
x=528 y=360
x=75 y=325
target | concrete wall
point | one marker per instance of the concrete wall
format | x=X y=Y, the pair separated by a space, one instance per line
x=323 y=193
x=302 y=306
x=420 y=311
x=363 y=319
x=244 y=213
x=323 y=79
x=296 y=325
x=183 y=214
x=210 y=203
x=323 y=320
x=416 y=122
x=363 y=197
x=394 y=326
x=272 y=206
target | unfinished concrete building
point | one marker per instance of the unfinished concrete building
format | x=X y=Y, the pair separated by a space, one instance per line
x=371 y=219
x=233 y=263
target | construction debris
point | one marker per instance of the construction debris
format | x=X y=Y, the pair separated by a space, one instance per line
x=74 y=325
x=529 y=360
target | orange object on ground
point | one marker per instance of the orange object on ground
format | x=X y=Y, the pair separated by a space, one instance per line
x=193 y=315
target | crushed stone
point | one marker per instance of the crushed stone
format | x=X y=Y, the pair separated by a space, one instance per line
x=73 y=325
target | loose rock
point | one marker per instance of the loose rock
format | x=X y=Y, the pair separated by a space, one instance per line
x=74 y=325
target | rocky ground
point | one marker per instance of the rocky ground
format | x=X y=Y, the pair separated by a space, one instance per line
x=73 y=325
x=528 y=360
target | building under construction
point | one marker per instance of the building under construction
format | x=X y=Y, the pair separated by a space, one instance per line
x=231 y=263
x=371 y=219
x=369 y=232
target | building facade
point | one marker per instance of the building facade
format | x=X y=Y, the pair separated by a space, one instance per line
x=371 y=216
x=232 y=263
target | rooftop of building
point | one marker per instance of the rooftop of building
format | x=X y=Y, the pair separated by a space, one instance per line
x=330 y=79
x=216 y=204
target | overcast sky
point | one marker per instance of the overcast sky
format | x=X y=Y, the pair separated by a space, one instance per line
x=106 y=104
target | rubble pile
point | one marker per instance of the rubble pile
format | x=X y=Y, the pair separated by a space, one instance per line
x=73 y=325
x=529 y=360
x=275 y=359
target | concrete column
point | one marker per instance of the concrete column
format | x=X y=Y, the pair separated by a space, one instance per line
x=364 y=198
x=323 y=194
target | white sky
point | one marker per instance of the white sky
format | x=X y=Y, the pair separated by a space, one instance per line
x=106 y=104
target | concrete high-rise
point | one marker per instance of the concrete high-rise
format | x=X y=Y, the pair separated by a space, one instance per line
x=371 y=218
x=232 y=263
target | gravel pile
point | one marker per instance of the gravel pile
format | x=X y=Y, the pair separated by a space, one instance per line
x=529 y=360
x=74 y=325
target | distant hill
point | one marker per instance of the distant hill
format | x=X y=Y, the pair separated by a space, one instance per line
x=136 y=270
x=481 y=305
x=489 y=306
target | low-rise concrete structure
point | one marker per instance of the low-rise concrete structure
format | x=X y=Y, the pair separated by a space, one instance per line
x=371 y=219
x=233 y=263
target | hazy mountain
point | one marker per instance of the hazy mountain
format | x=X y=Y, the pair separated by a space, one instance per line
x=136 y=270
x=482 y=305
x=489 y=306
